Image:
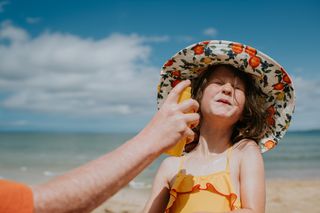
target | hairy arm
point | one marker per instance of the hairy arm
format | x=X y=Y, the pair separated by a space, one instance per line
x=86 y=187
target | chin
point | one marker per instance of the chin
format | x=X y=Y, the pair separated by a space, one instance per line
x=222 y=115
x=225 y=113
x=222 y=111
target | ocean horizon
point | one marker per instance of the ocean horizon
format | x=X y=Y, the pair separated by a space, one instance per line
x=35 y=157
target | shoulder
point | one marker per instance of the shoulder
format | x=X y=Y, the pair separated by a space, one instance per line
x=170 y=166
x=170 y=162
x=247 y=150
x=246 y=146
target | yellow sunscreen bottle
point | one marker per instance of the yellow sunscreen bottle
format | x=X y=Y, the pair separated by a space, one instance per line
x=179 y=147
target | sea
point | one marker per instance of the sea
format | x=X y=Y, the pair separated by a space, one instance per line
x=36 y=157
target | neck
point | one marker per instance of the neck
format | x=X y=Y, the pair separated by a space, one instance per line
x=214 y=139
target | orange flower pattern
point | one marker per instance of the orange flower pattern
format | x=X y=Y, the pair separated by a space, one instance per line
x=175 y=82
x=272 y=79
x=254 y=61
x=176 y=73
x=198 y=49
x=251 y=51
x=237 y=48
x=269 y=144
x=169 y=63
x=278 y=86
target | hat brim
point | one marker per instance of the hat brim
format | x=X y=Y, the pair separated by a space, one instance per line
x=270 y=76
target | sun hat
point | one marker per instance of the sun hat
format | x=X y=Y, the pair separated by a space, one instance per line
x=268 y=75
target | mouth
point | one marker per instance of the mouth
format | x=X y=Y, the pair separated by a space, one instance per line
x=224 y=101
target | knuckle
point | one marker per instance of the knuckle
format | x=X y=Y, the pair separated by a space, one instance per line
x=194 y=104
x=197 y=104
x=190 y=132
x=182 y=126
x=170 y=110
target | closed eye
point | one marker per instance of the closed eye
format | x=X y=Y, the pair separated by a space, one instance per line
x=217 y=82
x=239 y=88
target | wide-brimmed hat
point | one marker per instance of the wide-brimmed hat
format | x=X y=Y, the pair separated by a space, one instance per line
x=268 y=75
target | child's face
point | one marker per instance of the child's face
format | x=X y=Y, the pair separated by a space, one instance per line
x=224 y=96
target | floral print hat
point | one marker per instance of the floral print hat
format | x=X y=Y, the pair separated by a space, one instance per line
x=272 y=79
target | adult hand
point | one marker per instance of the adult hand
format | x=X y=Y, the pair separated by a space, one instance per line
x=174 y=121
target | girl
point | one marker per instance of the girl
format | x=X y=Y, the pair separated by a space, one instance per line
x=246 y=100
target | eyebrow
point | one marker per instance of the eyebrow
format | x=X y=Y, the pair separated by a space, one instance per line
x=236 y=80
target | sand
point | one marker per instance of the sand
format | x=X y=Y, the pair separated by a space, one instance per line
x=127 y=200
x=282 y=196
x=293 y=196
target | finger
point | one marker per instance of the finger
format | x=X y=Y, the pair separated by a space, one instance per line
x=187 y=106
x=192 y=119
x=189 y=134
x=177 y=90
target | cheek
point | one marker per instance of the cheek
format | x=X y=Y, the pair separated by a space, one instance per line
x=208 y=93
x=241 y=99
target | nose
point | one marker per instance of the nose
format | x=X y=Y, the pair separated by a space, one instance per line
x=227 y=89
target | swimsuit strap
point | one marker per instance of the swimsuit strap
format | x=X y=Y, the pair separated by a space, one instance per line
x=181 y=163
x=229 y=152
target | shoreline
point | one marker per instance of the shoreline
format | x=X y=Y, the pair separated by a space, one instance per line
x=282 y=195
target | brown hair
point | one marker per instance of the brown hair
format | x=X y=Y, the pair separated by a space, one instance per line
x=252 y=125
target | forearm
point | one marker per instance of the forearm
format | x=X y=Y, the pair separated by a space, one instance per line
x=84 y=188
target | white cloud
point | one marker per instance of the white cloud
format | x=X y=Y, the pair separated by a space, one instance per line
x=210 y=31
x=307 y=115
x=66 y=74
x=11 y=33
x=2 y=4
x=33 y=20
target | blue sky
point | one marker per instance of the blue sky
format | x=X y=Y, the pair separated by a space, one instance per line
x=94 y=65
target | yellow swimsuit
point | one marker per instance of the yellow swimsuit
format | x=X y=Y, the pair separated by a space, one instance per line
x=209 y=193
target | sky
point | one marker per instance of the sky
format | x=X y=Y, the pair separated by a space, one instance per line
x=94 y=65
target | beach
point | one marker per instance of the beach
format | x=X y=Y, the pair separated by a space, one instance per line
x=292 y=196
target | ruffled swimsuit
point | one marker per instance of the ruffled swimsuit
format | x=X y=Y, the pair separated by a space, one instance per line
x=209 y=193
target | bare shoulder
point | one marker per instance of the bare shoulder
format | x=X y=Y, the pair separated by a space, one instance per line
x=170 y=166
x=247 y=145
x=247 y=149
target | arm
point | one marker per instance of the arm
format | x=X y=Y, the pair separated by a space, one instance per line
x=252 y=181
x=160 y=189
x=86 y=187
